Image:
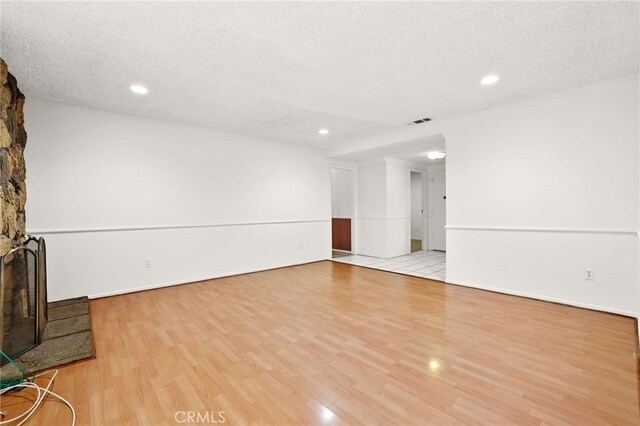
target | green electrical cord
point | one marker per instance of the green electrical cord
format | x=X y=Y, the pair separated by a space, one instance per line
x=9 y=383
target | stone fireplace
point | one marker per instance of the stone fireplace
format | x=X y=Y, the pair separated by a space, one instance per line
x=37 y=335
x=22 y=263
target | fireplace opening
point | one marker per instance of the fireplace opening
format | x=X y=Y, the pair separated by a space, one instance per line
x=23 y=297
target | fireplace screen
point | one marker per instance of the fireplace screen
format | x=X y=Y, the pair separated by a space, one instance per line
x=23 y=297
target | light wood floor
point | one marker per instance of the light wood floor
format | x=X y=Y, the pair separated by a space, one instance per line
x=416 y=245
x=330 y=343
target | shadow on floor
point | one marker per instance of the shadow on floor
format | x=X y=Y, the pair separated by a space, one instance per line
x=338 y=253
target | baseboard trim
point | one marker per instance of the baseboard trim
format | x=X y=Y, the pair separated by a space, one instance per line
x=446 y=281
x=638 y=343
x=193 y=280
x=546 y=299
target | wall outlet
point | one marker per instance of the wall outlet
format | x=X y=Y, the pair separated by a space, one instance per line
x=588 y=275
x=300 y=246
x=147 y=263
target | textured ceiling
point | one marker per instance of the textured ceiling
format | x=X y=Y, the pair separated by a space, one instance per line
x=284 y=70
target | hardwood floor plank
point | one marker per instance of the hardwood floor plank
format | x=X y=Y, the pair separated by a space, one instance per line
x=332 y=343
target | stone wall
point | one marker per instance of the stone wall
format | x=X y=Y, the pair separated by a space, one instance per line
x=16 y=323
x=13 y=138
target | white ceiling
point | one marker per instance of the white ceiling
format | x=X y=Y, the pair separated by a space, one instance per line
x=284 y=70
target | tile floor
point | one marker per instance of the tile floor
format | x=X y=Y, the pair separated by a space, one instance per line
x=426 y=264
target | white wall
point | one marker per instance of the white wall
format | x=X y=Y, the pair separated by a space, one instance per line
x=398 y=208
x=561 y=173
x=417 y=232
x=540 y=190
x=108 y=191
x=371 y=221
x=384 y=217
x=341 y=193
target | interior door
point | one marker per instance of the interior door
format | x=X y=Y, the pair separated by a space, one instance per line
x=437 y=211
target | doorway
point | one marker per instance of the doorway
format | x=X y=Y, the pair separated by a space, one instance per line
x=417 y=212
x=437 y=210
x=342 y=209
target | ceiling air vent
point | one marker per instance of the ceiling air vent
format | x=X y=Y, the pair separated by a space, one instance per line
x=422 y=120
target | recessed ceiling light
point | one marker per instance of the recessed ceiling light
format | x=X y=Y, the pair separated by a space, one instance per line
x=435 y=155
x=139 y=89
x=323 y=131
x=490 y=79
